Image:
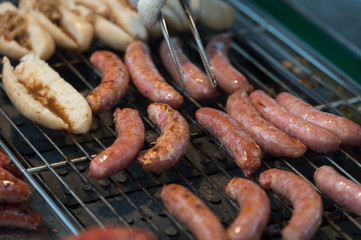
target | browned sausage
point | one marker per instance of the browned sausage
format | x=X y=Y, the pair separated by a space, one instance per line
x=172 y=143
x=7 y=164
x=316 y=138
x=115 y=80
x=146 y=78
x=12 y=189
x=124 y=150
x=271 y=139
x=255 y=209
x=192 y=212
x=338 y=188
x=307 y=203
x=346 y=130
x=198 y=86
x=17 y=215
x=245 y=151
x=113 y=233
x=228 y=77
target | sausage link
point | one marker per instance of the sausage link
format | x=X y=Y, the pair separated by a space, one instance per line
x=191 y=211
x=228 y=77
x=198 y=85
x=12 y=189
x=146 y=77
x=130 y=131
x=172 y=143
x=316 y=138
x=346 y=130
x=113 y=233
x=17 y=215
x=338 y=188
x=307 y=203
x=114 y=83
x=255 y=209
x=7 y=164
x=271 y=139
x=245 y=151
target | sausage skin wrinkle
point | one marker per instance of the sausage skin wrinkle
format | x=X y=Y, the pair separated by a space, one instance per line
x=173 y=141
x=18 y=215
x=271 y=139
x=316 y=138
x=146 y=77
x=338 y=188
x=228 y=77
x=191 y=211
x=131 y=135
x=348 y=131
x=307 y=203
x=255 y=209
x=114 y=83
x=198 y=85
x=12 y=189
x=245 y=151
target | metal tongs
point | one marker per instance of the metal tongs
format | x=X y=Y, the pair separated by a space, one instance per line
x=197 y=38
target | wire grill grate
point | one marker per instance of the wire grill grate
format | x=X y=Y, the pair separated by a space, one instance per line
x=56 y=163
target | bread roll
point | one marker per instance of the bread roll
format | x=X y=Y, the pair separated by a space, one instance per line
x=42 y=96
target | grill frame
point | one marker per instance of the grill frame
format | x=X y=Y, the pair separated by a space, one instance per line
x=257 y=40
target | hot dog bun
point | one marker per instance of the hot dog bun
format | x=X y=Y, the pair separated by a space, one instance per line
x=32 y=38
x=42 y=96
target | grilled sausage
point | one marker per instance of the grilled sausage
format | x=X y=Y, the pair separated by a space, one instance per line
x=12 y=189
x=17 y=215
x=146 y=77
x=172 y=143
x=123 y=151
x=7 y=164
x=191 y=211
x=346 y=130
x=198 y=86
x=245 y=151
x=307 y=203
x=114 y=83
x=316 y=138
x=113 y=233
x=228 y=77
x=255 y=209
x=338 y=188
x=271 y=139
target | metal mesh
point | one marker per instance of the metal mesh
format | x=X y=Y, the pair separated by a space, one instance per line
x=56 y=163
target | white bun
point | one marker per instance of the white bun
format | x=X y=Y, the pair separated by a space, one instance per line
x=216 y=14
x=42 y=96
x=42 y=44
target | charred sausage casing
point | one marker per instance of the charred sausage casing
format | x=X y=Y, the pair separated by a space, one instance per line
x=7 y=164
x=348 y=131
x=338 y=188
x=17 y=215
x=192 y=212
x=307 y=203
x=123 y=151
x=316 y=138
x=146 y=77
x=255 y=209
x=114 y=83
x=12 y=189
x=245 y=151
x=198 y=85
x=172 y=143
x=113 y=233
x=228 y=77
x=271 y=139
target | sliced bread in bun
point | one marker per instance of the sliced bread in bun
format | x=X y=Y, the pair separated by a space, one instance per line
x=42 y=96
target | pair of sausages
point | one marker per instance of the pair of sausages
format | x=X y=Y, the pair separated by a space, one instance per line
x=13 y=192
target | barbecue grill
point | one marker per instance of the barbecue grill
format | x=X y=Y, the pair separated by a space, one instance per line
x=56 y=163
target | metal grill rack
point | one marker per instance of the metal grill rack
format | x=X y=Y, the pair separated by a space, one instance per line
x=56 y=163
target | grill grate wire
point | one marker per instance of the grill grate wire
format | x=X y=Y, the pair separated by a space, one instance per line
x=259 y=51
